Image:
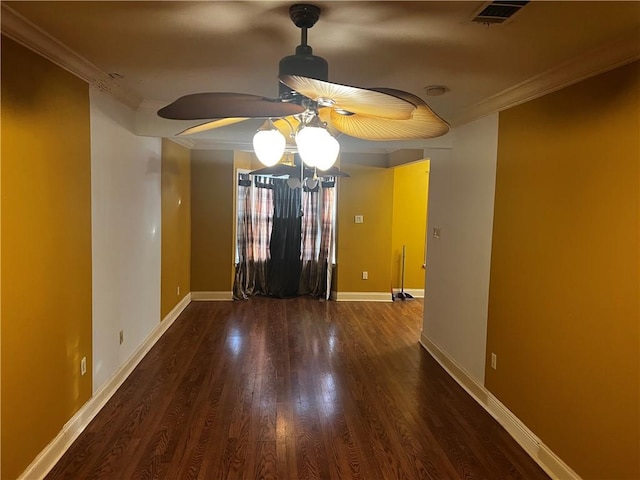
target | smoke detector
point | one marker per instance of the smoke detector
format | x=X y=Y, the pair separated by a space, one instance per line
x=435 y=90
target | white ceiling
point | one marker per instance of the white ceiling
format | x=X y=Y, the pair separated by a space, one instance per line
x=158 y=51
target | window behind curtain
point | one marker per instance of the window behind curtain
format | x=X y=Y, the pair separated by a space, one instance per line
x=255 y=210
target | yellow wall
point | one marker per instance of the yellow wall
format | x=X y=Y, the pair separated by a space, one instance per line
x=176 y=225
x=212 y=251
x=564 y=296
x=410 y=190
x=360 y=247
x=246 y=161
x=46 y=252
x=365 y=246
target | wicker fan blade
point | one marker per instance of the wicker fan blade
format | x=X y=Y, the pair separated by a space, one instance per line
x=424 y=123
x=351 y=99
x=222 y=105
x=203 y=127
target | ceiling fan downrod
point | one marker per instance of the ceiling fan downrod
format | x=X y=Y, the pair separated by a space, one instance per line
x=304 y=16
x=304 y=62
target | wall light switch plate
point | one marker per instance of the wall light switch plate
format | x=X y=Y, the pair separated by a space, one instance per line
x=436 y=232
x=359 y=219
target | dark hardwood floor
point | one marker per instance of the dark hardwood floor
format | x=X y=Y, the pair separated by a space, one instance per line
x=293 y=389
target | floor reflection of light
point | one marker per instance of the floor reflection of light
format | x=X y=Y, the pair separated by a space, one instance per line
x=332 y=330
x=329 y=394
x=303 y=405
x=332 y=344
x=282 y=424
x=235 y=344
x=328 y=382
x=328 y=385
x=329 y=409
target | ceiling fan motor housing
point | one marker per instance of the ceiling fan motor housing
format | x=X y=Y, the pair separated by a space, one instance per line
x=304 y=64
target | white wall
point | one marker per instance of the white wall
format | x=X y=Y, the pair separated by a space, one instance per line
x=461 y=195
x=126 y=217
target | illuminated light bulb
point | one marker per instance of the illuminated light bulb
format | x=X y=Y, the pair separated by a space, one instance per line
x=269 y=144
x=317 y=147
x=329 y=155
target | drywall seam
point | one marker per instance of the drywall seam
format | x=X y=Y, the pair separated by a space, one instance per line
x=532 y=445
x=50 y=455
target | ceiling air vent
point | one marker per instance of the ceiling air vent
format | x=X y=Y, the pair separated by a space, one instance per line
x=498 y=12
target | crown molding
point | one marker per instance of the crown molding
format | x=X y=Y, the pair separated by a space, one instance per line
x=599 y=60
x=183 y=142
x=216 y=144
x=18 y=28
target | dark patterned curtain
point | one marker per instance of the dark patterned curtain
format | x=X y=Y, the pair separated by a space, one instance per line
x=285 y=238
x=317 y=239
x=254 y=215
x=285 y=263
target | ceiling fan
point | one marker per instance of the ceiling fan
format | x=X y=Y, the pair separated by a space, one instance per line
x=311 y=111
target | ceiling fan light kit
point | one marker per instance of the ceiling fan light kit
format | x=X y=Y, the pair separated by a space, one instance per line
x=318 y=108
x=316 y=146
x=269 y=144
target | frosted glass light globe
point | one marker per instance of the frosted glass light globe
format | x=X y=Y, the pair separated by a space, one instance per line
x=269 y=146
x=314 y=143
x=330 y=152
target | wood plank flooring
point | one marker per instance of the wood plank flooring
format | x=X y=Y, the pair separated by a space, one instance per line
x=293 y=389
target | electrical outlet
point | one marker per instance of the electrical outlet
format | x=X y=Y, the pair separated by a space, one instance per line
x=437 y=232
x=365 y=275
x=121 y=337
x=83 y=366
x=358 y=219
x=494 y=361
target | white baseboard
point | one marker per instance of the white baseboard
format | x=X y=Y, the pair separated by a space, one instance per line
x=414 y=292
x=362 y=296
x=52 y=453
x=537 y=450
x=211 y=296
